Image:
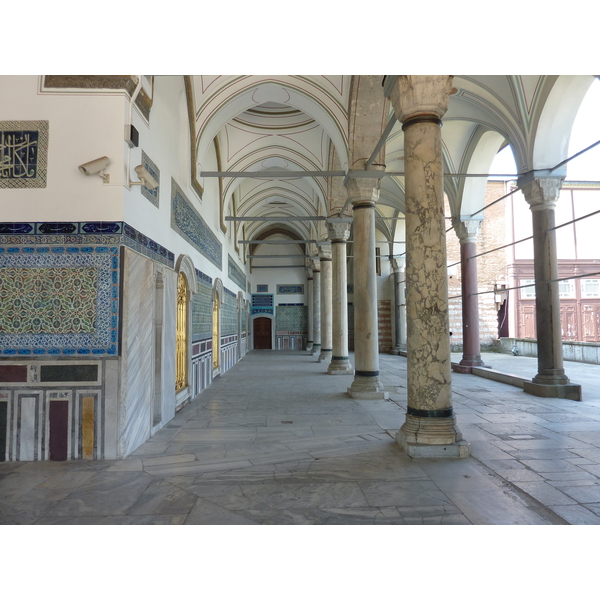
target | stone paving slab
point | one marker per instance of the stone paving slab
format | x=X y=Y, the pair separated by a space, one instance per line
x=277 y=441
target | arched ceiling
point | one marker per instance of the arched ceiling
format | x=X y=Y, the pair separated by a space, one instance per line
x=266 y=124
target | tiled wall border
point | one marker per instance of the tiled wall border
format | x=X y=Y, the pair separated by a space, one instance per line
x=84 y=232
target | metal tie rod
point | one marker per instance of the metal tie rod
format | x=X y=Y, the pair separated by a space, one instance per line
x=282 y=218
x=277 y=241
x=273 y=174
x=277 y=255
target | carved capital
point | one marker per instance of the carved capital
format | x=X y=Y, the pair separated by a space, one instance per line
x=468 y=230
x=338 y=230
x=542 y=193
x=415 y=95
x=363 y=189
x=325 y=251
x=315 y=264
x=398 y=264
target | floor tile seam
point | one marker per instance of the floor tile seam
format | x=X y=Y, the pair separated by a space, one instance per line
x=530 y=502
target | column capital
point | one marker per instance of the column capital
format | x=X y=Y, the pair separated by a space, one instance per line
x=466 y=230
x=540 y=193
x=338 y=229
x=324 y=250
x=315 y=264
x=414 y=96
x=363 y=190
x=398 y=263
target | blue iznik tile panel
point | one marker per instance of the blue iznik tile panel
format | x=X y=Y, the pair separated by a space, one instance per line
x=23 y=154
x=202 y=306
x=291 y=318
x=186 y=221
x=228 y=313
x=149 y=165
x=235 y=273
x=262 y=304
x=59 y=300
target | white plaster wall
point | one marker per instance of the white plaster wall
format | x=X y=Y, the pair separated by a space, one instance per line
x=137 y=372
x=166 y=140
x=82 y=127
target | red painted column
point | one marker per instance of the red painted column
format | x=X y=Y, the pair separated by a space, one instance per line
x=467 y=234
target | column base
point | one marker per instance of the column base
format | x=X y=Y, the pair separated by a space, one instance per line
x=461 y=449
x=570 y=391
x=316 y=349
x=429 y=431
x=367 y=388
x=340 y=366
x=471 y=360
x=396 y=351
x=551 y=377
x=325 y=355
x=309 y=346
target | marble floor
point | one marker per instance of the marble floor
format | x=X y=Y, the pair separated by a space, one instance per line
x=276 y=440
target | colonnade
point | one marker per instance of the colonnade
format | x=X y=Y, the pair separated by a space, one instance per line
x=422 y=330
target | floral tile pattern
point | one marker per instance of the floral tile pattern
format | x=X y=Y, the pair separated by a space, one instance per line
x=59 y=300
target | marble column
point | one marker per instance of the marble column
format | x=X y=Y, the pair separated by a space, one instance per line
x=309 y=302
x=326 y=308
x=339 y=231
x=316 y=269
x=541 y=195
x=467 y=232
x=400 y=306
x=430 y=428
x=363 y=192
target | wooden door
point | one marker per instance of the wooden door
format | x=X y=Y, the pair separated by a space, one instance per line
x=262 y=333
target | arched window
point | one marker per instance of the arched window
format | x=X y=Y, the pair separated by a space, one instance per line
x=181 y=341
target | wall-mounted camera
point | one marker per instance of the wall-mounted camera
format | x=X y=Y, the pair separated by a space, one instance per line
x=96 y=167
x=146 y=178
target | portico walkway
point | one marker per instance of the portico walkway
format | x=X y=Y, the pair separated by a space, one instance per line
x=278 y=441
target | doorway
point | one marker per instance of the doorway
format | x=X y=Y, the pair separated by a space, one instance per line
x=262 y=333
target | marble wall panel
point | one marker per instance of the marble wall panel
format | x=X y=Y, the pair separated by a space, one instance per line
x=110 y=409
x=137 y=373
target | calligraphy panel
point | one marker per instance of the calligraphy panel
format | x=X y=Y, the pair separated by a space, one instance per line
x=23 y=154
x=290 y=289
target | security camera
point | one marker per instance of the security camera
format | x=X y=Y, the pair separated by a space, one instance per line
x=94 y=166
x=145 y=178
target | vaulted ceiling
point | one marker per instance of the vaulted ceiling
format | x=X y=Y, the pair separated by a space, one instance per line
x=267 y=124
